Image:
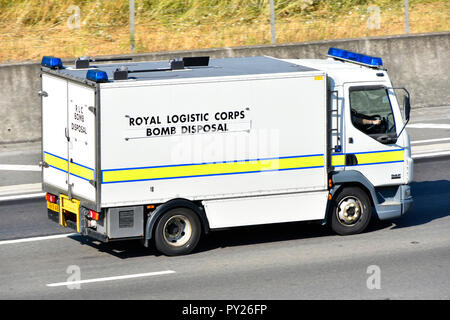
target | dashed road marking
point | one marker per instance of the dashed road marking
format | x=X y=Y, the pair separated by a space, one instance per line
x=130 y=276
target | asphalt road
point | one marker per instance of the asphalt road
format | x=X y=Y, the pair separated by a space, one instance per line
x=409 y=256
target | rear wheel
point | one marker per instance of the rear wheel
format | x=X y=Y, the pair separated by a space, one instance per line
x=177 y=232
x=351 y=211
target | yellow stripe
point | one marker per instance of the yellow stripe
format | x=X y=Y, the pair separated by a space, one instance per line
x=74 y=168
x=81 y=171
x=370 y=158
x=338 y=160
x=366 y=158
x=212 y=169
x=56 y=162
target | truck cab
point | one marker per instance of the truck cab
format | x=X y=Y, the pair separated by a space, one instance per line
x=367 y=122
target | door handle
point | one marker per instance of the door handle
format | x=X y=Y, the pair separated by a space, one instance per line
x=351 y=160
x=42 y=93
x=66 y=133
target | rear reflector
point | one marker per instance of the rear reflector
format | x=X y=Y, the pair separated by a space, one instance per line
x=50 y=198
x=94 y=215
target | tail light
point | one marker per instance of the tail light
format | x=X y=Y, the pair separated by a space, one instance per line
x=50 y=198
x=94 y=215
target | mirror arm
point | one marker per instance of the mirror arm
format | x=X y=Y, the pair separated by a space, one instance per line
x=407 y=94
x=403 y=128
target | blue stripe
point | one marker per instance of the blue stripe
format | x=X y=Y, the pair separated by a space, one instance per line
x=343 y=154
x=368 y=164
x=379 y=151
x=57 y=168
x=55 y=155
x=82 y=166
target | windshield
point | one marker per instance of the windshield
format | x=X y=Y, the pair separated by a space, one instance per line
x=371 y=112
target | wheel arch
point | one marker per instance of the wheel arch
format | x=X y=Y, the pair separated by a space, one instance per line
x=351 y=178
x=172 y=204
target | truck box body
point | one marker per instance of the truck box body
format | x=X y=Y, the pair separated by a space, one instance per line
x=234 y=129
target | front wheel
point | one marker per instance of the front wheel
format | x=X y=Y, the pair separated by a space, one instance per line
x=350 y=212
x=177 y=232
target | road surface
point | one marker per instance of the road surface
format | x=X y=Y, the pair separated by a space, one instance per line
x=406 y=258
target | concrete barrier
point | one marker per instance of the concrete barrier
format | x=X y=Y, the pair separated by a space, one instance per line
x=418 y=62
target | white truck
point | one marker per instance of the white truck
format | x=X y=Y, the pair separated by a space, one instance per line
x=164 y=152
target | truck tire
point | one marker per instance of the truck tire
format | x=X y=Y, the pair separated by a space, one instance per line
x=177 y=232
x=350 y=211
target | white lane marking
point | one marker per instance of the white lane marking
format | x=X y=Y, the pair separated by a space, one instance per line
x=430 y=140
x=19 y=167
x=23 y=188
x=431 y=155
x=21 y=191
x=429 y=126
x=57 y=236
x=23 y=196
x=130 y=276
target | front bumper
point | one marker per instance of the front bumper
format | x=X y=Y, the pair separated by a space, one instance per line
x=407 y=199
x=396 y=206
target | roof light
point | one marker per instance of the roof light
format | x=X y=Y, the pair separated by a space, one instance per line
x=355 y=57
x=97 y=76
x=51 y=62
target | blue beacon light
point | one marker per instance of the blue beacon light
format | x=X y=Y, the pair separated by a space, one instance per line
x=51 y=62
x=97 y=76
x=355 y=57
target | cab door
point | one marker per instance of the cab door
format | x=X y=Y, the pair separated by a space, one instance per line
x=372 y=121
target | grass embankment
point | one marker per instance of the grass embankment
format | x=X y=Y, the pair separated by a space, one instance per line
x=30 y=29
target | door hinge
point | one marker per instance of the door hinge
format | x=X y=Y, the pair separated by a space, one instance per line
x=42 y=93
x=43 y=164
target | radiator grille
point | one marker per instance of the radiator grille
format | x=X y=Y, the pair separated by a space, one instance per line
x=126 y=219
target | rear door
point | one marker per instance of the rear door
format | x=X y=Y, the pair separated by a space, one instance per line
x=81 y=149
x=68 y=137
x=54 y=126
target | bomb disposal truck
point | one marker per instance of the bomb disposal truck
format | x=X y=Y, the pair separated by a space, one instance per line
x=167 y=151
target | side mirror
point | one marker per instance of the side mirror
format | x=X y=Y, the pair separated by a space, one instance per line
x=407 y=107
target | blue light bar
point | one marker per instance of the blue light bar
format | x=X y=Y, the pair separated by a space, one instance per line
x=97 y=76
x=355 y=57
x=51 y=62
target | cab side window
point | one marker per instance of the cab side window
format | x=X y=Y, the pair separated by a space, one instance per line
x=371 y=112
